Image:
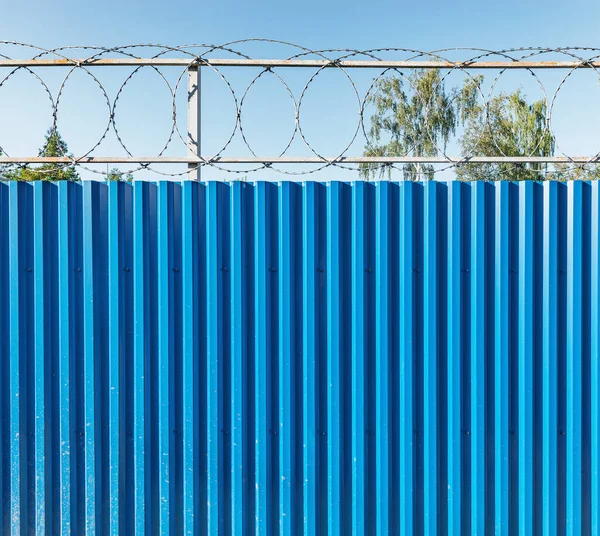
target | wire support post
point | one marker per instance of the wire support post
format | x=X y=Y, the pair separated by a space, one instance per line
x=193 y=122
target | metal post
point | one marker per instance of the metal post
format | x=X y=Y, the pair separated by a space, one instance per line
x=194 y=147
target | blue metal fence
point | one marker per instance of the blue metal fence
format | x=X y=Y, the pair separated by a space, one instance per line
x=237 y=358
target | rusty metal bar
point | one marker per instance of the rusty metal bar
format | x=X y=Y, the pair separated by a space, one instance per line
x=241 y=62
x=194 y=160
x=193 y=121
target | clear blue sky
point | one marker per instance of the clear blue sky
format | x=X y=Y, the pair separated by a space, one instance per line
x=314 y=24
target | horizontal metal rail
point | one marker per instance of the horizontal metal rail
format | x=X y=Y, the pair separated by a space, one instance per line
x=265 y=63
x=302 y=160
x=190 y=61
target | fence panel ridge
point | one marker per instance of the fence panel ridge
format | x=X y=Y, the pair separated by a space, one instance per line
x=256 y=357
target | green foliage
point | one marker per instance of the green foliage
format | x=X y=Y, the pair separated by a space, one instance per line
x=422 y=123
x=509 y=126
x=411 y=125
x=116 y=174
x=570 y=172
x=53 y=146
x=4 y=169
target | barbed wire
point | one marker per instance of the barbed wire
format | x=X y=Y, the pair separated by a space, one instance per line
x=91 y=60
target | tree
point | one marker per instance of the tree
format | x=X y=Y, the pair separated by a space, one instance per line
x=115 y=174
x=575 y=172
x=508 y=126
x=4 y=169
x=419 y=123
x=54 y=146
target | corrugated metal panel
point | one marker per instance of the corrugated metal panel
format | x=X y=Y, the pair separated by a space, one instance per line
x=236 y=358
